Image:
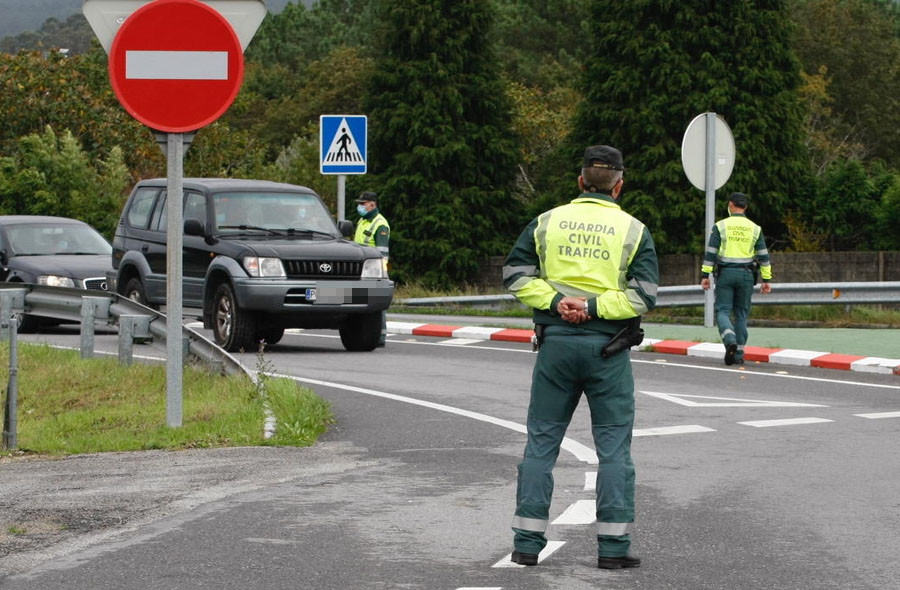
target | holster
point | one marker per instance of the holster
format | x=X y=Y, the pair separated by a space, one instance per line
x=538 y=337
x=631 y=335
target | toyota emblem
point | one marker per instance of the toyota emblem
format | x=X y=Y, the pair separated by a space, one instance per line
x=325 y=267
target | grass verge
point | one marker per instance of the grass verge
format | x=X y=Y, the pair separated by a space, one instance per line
x=71 y=405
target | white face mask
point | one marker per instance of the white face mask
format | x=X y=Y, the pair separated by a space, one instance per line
x=361 y=209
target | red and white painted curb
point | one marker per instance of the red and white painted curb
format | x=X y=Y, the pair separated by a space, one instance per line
x=780 y=356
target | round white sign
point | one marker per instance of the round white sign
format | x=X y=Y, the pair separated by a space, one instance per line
x=693 y=152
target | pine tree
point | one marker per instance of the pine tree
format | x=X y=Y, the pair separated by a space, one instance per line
x=655 y=65
x=440 y=141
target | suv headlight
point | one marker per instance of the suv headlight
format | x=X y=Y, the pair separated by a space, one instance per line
x=374 y=268
x=55 y=281
x=263 y=267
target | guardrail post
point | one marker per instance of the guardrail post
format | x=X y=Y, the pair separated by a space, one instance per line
x=87 y=328
x=126 y=339
x=132 y=328
x=11 y=300
x=92 y=308
x=11 y=407
x=185 y=349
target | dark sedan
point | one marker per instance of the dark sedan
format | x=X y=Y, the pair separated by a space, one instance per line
x=54 y=251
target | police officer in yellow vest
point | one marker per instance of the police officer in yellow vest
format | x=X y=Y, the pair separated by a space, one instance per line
x=736 y=251
x=589 y=270
x=373 y=230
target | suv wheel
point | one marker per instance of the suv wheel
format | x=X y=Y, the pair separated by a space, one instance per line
x=233 y=328
x=271 y=335
x=134 y=290
x=361 y=332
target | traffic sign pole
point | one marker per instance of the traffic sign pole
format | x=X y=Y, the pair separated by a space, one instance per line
x=174 y=242
x=341 y=196
x=709 y=297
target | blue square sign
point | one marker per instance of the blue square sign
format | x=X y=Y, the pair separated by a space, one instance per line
x=342 y=144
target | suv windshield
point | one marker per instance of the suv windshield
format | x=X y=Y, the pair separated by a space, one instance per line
x=260 y=212
x=47 y=239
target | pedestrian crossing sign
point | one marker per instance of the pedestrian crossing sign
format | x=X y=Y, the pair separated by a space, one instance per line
x=342 y=144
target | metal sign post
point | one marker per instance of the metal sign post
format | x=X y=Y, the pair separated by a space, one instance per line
x=709 y=300
x=341 y=196
x=707 y=155
x=174 y=243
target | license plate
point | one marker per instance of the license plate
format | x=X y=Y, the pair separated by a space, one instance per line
x=310 y=294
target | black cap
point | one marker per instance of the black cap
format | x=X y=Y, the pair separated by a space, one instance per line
x=739 y=199
x=367 y=196
x=603 y=156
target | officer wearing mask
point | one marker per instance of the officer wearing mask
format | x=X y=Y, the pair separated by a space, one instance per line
x=373 y=230
x=736 y=249
x=589 y=270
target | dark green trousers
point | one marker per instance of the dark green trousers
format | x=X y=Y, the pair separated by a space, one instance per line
x=734 y=288
x=568 y=366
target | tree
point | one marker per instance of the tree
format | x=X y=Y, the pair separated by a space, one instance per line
x=440 y=140
x=855 y=43
x=655 y=65
x=51 y=174
x=71 y=93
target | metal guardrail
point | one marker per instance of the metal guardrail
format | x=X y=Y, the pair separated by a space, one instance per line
x=693 y=296
x=135 y=321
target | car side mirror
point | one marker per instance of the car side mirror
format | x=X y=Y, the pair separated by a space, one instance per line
x=4 y=257
x=346 y=228
x=193 y=227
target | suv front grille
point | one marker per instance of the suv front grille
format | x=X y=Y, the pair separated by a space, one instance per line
x=321 y=269
x=98 y=284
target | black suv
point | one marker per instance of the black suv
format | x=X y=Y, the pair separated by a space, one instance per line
x=258 y=257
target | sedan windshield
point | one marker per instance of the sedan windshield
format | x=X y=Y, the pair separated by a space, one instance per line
x=272 y=213
x=47 y=239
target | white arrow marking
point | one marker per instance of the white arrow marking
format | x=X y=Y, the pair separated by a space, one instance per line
x=726 y=402
x=176 y=65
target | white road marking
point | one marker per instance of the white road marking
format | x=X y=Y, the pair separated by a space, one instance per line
x=176 y=65
x=879 y=415
x=777 y=374
x=590 y=481
x=785 y=422
x=551 y=548
x=481 y=588
x=725 y=402
x=665 y=430
x=460 y=341
x=581 y=512
x=581 y=452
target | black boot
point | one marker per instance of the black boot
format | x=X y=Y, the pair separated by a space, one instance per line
x=730 y=351
x=524 y=558
x=615 y=563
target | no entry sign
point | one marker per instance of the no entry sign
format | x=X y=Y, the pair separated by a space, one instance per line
x=176 y=65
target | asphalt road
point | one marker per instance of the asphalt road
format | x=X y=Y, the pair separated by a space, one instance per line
x=751 y=478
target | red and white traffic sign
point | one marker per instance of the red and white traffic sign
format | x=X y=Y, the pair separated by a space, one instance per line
x=176 y=65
